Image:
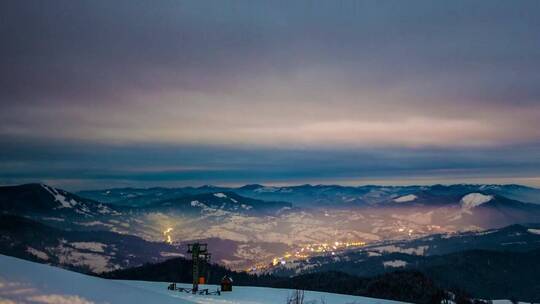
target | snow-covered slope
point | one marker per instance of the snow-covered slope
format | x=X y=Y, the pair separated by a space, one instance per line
x=256 y=295
x=27 y=282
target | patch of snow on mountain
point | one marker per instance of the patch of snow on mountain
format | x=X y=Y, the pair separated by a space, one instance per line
x=405 y=198
x=534 y=231
x=37 y=253
x=472 y=200
x=220 y=195
x=266 y=189
x=395 y=263
x=420 y=250
x=208 y=211
x=171 y=254
x=197 y=204
x=247 y=207
x=93 y=223
x=56 y=219
x=506 y=302
x=106 y=210
x=91 y=246
x=71 y=256
x=486 y=232
x=455 y=217
x=64 y=203
x=283 y=209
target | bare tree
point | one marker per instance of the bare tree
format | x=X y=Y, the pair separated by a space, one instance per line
x=297 y=297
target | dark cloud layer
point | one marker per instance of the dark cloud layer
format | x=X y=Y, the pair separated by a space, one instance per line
x=103 y=92
x=82 y=165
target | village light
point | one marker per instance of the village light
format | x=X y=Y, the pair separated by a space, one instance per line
x=167 y=235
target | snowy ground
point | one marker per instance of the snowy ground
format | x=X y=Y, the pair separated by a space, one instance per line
x=27 y=282
x=256 y=295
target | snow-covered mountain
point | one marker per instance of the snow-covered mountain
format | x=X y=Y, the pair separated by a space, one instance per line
x=248 y=231
x=336 y=195
x=27 y=282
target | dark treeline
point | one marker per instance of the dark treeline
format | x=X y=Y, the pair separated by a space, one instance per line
x=179 y=270
x=409 y=286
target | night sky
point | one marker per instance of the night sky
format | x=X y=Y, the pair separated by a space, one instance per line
x=97 y=94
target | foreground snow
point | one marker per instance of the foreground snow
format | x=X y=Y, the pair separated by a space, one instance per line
x=254 y=295
x=27 y=282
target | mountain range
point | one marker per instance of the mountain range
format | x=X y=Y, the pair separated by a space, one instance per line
x=310 y=196
x=293 y=231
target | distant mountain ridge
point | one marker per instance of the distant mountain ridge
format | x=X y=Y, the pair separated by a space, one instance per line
x=320 y=195
x=459 y=205
x=218 y=201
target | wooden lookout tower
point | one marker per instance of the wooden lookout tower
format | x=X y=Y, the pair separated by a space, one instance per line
x=200 y=258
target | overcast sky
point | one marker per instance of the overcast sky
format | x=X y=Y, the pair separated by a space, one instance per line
x=141 y=93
